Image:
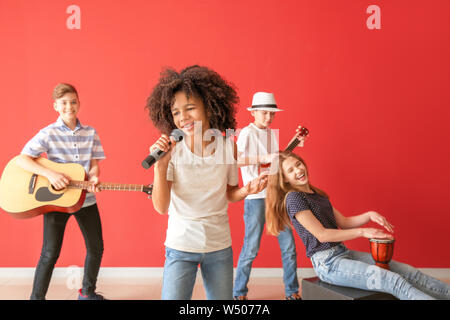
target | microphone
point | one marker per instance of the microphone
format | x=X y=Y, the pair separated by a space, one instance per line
x=156 y=154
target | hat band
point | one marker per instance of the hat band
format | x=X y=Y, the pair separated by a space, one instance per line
x=274 y=106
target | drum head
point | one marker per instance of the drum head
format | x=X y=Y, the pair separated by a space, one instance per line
x=382 y=240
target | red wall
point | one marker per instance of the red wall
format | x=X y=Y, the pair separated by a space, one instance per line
x=376 y=103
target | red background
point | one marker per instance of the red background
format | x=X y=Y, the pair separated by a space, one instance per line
x=376 y=103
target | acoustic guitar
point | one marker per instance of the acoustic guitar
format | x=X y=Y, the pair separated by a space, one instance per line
x=303 y=133
x=26 y=195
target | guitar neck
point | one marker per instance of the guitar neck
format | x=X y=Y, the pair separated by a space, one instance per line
x=292 y=145
x=303 y=133
x=109 y=186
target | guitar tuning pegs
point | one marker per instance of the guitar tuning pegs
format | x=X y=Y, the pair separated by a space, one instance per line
x=304 y=131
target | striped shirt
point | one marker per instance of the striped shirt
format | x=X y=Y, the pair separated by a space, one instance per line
x=63 y=145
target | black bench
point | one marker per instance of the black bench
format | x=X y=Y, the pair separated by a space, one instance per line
x=315 y=289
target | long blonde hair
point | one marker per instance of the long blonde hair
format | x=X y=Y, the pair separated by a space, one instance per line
x=278 y=188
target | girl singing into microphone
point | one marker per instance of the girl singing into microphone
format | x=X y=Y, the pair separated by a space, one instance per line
x=196 y=178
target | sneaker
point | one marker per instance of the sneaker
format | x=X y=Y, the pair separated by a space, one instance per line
x=92 y=296
x=294 y=296
x=240 y=297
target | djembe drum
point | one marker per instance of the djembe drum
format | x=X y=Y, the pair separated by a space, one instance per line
x=382 y=251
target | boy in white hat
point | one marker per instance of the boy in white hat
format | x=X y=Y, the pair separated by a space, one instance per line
x=257 y=145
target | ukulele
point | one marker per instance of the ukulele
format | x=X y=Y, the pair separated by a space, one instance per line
x=26 y=195
x=303 y=133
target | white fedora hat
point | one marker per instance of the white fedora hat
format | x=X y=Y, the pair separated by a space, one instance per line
x=264 y=101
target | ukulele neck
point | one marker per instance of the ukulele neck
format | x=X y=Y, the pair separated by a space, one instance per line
x=303 y=133
x=292 y=145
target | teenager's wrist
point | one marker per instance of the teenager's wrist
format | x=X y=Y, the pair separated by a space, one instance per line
x=93 y=177
x=48 y=173
x=244 y=192
x=360 y=232
x=161 y=165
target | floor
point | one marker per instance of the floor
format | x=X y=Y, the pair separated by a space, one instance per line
x=130 y=289
x=133 y=289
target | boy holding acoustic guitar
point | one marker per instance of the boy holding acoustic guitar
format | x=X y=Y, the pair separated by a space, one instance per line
x=67 y=141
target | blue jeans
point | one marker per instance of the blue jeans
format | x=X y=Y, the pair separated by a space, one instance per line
x=254 y=219
x=180 y=271
x=343 y=267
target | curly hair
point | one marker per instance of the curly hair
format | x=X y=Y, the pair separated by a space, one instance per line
x=219 y=97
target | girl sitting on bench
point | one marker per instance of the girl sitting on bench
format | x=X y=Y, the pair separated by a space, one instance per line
x=291 y=198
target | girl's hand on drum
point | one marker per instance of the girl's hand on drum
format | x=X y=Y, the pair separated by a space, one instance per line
x=378 y=218
x=373 y=233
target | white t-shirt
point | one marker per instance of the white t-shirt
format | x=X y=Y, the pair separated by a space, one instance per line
x=198 y=217
x=253 y=141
